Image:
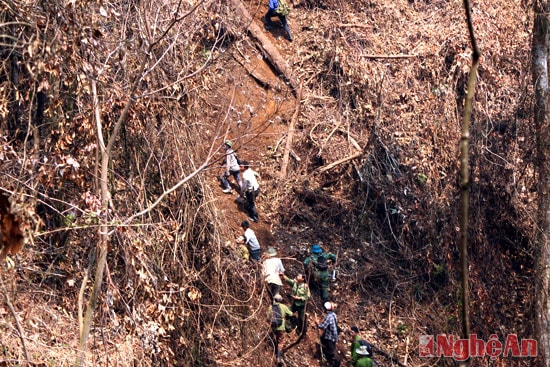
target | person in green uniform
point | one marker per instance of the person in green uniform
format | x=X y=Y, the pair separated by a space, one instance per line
x=279 y=330
x=316 y=265
x=300 y=295
x=356 y=343
x=364 y=359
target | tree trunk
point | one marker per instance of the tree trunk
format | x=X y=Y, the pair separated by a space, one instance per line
x=540 y=80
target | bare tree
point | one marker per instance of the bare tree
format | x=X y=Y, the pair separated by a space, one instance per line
x=540 y=80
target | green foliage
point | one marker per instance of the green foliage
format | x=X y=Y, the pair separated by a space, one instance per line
x=419 y=292
x=422 y=179
x=69 y=220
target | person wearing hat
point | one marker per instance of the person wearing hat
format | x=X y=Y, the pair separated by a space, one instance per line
x=250 y=190
x=329 y=338
x=232 y=168
x=317 y=265
x=300 y=295
x=272 y=268
x=250 y=240
x=356 y=343
x=279 y=331
x=364 y=359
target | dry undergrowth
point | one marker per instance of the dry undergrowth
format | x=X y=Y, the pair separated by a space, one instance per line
x=383 y=78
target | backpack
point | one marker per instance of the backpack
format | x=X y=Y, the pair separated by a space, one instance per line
x=322 y=264
x=283 y=8
x=237 y=158
x=276 y=316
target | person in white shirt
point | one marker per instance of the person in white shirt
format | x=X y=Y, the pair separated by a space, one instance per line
x=272 y=268
x=251 y=189
x=251 y=242
x=232 y=168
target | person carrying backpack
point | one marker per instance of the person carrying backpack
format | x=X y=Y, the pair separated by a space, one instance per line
x=364 y=357
x=356 y=343
x=317 y=265
x=276 y=315
x=278 y=8
x=232 y=168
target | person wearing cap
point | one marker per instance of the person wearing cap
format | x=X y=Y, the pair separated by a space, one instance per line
x=356 y=343
x=329 y=338
x=272 y=267
x=250 y=240
x=300 y=295
x=279 y=331
x=250 y=190
x=364 y=357
x=232 y=168
x=318 y=261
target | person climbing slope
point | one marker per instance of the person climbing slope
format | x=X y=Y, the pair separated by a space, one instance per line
x=250 y=240
x=278 y=8
x=276 y=315
x=300 y=295
x=250 y=190
x=329 y=338
x=316 y=267
x=232 y=168
x=272 y=268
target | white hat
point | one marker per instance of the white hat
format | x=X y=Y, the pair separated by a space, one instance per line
x=362 y=351
x=329 y=306
x=271 y=252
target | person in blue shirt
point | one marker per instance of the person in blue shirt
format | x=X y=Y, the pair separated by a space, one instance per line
x=272 y=12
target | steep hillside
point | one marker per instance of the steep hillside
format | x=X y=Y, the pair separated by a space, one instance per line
x=372 y=176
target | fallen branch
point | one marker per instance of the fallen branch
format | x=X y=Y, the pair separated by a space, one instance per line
x=391 y=358
x=254 y=73
x=336 y=128
x=278 y=143
x=290 y=135
x=272 y=53
x=17 y=323
x=295 y=156
x=351 y=25
x=350 y=138
x=343 y=160
x=380 y=56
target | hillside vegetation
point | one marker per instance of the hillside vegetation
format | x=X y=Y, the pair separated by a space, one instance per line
x=372 y=175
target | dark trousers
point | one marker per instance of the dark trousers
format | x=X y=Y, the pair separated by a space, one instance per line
x=255 y=254
x=273 y=289
x=301 y=310
x=271 y=13
x=251 y=203
x=330 y=352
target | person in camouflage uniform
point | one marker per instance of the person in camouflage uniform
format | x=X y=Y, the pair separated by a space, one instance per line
x=279 y=331
x=300 y=295
x=317 y=265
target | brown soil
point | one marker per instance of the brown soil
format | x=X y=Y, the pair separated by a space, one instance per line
x=390 y=215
